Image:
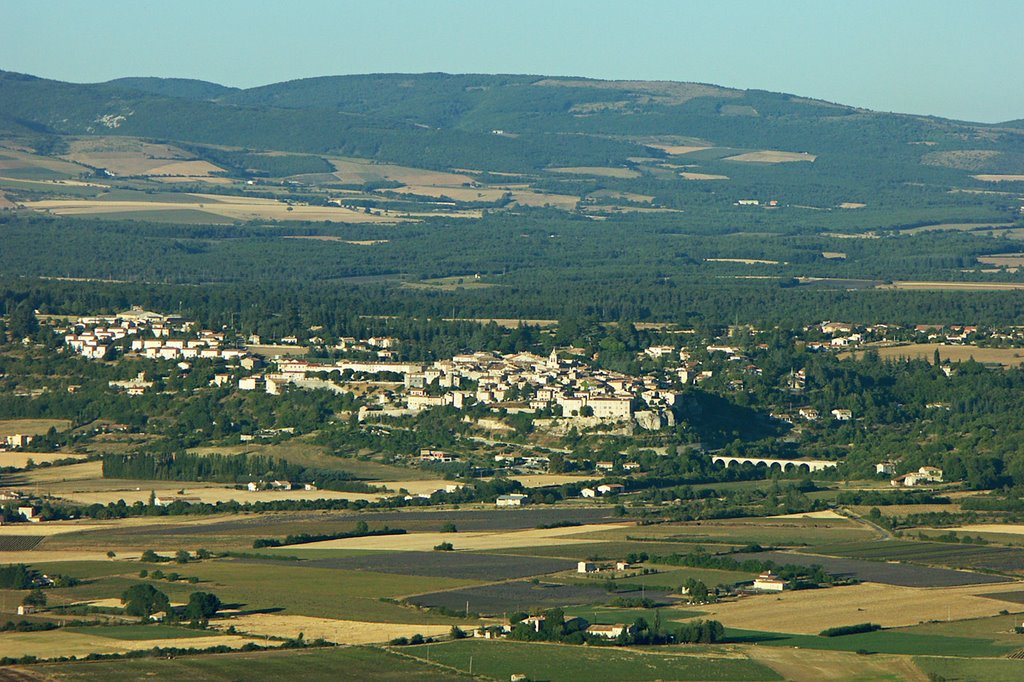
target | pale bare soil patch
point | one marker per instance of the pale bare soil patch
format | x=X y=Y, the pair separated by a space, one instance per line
x=771 y=156
x=852 y=204
x=622 y=196
x=809 y=612
x=541 y=480
x=1008 y=357
x=538 y=537
x=31 y=427
x=955 y=286
x=234 y=208
x=678 y=149
x=810 y=664
x=943 y=227
x=664 y=92
x=906 y=509
x=744 y=261
x=5 y=202
x=56 y=643
x=999 y=178
x=833 y=255
x=506 y=322
x=454 y=193
x=205 y=179
x=20 y=159
x=339 y=631
x=599 y=171
x=687 y=175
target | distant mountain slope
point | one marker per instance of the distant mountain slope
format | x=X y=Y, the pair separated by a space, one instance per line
x=186 y=88
x=511 y=123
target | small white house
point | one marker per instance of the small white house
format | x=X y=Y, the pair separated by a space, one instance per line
x=887 y=468
x=769 y=582
x=513 y=500
x=586 y=567
x=608 y=631
x=588 y=492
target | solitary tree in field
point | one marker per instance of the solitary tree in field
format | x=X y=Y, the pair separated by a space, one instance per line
x=144 y=600
x=201 y=607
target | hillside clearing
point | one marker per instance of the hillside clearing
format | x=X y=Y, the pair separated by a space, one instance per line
x=771 y=156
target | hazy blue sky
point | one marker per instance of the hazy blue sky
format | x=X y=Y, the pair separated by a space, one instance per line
x=955 y=58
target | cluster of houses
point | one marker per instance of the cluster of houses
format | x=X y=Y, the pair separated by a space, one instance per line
x=536 y=623
x=152 y=335
x=526 y=382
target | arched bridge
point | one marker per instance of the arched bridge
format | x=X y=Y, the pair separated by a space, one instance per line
x=783 y=464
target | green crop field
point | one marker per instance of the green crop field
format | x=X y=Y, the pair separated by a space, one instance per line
x=501 y=659
x=969 y=670
x=880 y=642
x=353 y=663
x=323 y=592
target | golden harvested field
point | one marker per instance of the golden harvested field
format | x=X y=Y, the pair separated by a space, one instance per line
x=809 y=612
x=599 y=171
x=999 y=178
x=827 y=514
x=744 y=261
x=1008 y=357
x=1009 y=260
x=822 y=666
x=1003 y=528
x=129 y=156
x=20 y=459
x=57 y=643
x=686 y=175
x=358 y=171
x=32 y=427
x=771 y=156
x=538 y=537
x=209 y=494
x=339 y=631
x=955 y=286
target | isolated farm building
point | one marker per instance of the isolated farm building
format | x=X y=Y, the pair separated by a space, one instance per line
x=888 y=468
x=588 y=492
x=606 y=466
x=586 y=567
x=608 y=631
x=281 y=485
x=842 y=415
x=30 y=514
x=535 y=623
x=252 y=486
x=9 y=495
x=18 y=440
x=808 y=413
x=513 y=500
x=622 y=566
x=26 y=609
x=769 y=582
x=925 y=474
x=611 y=488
